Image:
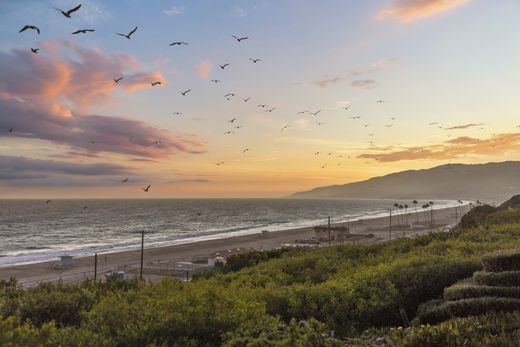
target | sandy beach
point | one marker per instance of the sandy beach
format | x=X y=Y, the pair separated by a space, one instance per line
x=31 y=274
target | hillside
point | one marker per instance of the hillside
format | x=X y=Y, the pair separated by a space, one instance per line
x=452 y=181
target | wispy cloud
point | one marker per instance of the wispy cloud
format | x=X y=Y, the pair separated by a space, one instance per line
x=364 y=84
x=327 y=81
x=464 y=126
x=23 y=168
x=174 y=11
x=203 y=68
x=411 y=10
x=376 y=65
x=238 y=12
x=499 y=144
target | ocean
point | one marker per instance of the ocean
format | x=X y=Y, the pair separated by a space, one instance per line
x=35 y=231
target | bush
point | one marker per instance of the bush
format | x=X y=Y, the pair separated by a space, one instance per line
x=438 y=312
x=458 y=292
x=476 y=216
x=502 y=261
x=504 y=217
x=504 y=278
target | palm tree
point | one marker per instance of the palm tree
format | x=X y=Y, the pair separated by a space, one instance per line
x=406 y=212
x=425 y=208
x=431 y=213
x=396 y=205
x=416 y=215
x=401 y=207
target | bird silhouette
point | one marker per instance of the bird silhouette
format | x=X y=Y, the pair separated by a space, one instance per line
x=302 y=112
x=355 y=117
x=219 y=163
x=229 y=133
x=117 y=80
x=32 y=27
x=240 y=38
x=69 y=12
x=255 y=60
x=83 y=31
x=319 y=123
x=178 y=43
x=147 y=188
x=155 y=83
x=185 y=92
x=48 y=201
x=229 y=94
x=380 y=101
x=35 y=50
x=285 y=127
x=262 y=105
x=224 y=66
x=238 y=127
x=315 y=113
x=129 y=34
x=246 y=150
x=11 y=130
x=232 y=120
x=215 y=81
x=346 y=108
x=125 y=180
x=177 y=113
x=366 y=125
x=270 y=110
x=316 y=153
x=247 y=99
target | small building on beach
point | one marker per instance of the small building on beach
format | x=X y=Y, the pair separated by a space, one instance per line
x=223 y=255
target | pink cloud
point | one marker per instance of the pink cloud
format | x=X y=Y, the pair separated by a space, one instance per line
x=47 y=96
x=411 y=10
x=203 y=68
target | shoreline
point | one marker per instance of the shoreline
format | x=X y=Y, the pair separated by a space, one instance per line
x=30 y=274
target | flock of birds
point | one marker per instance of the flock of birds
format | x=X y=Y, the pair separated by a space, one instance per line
x=232 y=122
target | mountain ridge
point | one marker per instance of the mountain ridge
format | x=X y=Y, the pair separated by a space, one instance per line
x=485 y=181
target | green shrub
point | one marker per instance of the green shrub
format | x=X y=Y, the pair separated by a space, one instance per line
x=274 y=333
x=504 y=217
x=476 y=216
x=504 y=278
x=502 y=261
x=436 y=312
x=457 y=292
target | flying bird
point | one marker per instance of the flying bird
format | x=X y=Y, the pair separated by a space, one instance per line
x=155 y=83
x=178 y=43
x=117 y=80
x=125 y=180
x=69 y=12
x=229 y=133
x=255 y=60
x=83 y=31
x=346 y=108
x=185 y=92
x=224 y=66
x=147 y=188
x=380 y=101
x=48 y=201
x=229 y=94
x=319 y=123
x=219 y=163
x=177 y=113
x=215 y=81
x=129 y=34
x=156 y=143
x=315 y=113
x=238 y=127
x=262 y=105
x=270 y=110
x=285 y=127
x=232 y=120
x=302 y=112
x=246 y=150
x=240 y=38
x=316 y=153
x=366 y=125
x=247 y=99
x=32 y=27
x=35 y=50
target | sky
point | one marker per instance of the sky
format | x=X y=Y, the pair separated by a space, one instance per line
x=399 y=84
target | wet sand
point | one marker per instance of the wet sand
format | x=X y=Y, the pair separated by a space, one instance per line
x=31 y=274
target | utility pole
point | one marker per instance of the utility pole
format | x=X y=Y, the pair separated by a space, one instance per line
x=390 y=227
x=329 y=229
x=95 y=267
x=142 y=254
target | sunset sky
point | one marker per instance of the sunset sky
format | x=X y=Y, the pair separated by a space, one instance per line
x=447 y=71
